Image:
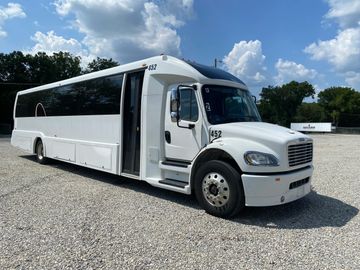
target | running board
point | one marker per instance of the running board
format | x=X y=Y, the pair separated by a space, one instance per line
x=174 y=183
x=182 y=164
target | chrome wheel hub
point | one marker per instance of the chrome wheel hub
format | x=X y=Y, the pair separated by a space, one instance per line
x=215 y=189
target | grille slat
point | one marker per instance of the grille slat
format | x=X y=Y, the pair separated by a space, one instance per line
x=299 y=160
x=300 y=150
x=300 y=154
x=302 y=157
x=299 y=147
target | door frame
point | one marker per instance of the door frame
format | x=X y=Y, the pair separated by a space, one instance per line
x=195 y=133
x=131 y=174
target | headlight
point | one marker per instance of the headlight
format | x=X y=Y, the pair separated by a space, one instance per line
x=260 y=159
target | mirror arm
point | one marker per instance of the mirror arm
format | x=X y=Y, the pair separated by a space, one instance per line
x=254 y=97
x=190 y=126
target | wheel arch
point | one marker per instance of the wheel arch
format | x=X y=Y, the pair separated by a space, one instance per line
x=212 y=154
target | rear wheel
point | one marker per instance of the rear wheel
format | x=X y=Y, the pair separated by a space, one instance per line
x=40 y=153
x=218 y=189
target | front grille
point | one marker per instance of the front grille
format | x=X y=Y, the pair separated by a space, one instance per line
x=299 y=183
x=300 y=154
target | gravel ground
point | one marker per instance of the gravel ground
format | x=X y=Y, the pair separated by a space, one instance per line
x=67 y=217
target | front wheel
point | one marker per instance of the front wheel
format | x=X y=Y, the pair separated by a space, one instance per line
x=40 y=153
x=218 y=189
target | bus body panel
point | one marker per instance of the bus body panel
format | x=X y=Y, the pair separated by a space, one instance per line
x=90 y=141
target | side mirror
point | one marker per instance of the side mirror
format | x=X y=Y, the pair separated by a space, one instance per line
x=174 y=105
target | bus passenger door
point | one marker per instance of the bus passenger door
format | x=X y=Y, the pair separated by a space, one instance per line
x=131 y=123
x=183 y=139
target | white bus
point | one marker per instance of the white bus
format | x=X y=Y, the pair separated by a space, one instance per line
x=177 y=125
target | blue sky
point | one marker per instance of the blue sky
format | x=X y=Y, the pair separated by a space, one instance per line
x=262 y=42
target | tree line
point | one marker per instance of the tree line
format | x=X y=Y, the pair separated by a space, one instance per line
x=19 y=71
x=285 y=104
x=278 y=104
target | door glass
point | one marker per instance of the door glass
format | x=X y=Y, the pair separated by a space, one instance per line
x=188 y=105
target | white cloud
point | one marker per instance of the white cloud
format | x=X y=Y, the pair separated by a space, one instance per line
x=289 y=71
x=345 y=12
x=246 y=61
x=50 y=43
x=343 y=51
x=12 y=10
x=353 y=79
x=127 y=30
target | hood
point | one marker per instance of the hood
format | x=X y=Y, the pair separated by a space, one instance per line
x=261 y=132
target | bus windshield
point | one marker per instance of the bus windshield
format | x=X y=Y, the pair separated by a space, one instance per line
x=228 y=104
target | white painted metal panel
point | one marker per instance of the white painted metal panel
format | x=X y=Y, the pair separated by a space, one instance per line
x=311 y=127
x=95 y=156
x=94 y=128
x=22 y=142
x=63 y=150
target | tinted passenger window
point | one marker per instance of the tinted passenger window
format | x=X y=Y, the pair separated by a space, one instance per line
x=92 y=97
x=188 y=105
x=101 y=96
x=62 y=101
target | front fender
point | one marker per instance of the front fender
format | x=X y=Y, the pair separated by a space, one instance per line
x=237 y=147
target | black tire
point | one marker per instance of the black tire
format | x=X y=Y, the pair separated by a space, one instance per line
x=218 y=189
x=39 y=151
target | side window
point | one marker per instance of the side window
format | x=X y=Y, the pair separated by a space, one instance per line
x=101 y=95
x=22 y=106
x=63 y=100
x=92 y=97
x=188 y=106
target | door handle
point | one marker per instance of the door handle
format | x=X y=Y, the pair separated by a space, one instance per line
x=167 y=136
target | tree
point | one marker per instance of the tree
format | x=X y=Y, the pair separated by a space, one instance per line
x=50 y=68
x=65 y=65
x=14 y=67
x=19 y=72
x=310 y=112
x=279 y=104
x=339 y=100
x=100 y=64
x=40 y=68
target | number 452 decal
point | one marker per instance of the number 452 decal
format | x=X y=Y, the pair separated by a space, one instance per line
x=152 y=67
x=215 y=134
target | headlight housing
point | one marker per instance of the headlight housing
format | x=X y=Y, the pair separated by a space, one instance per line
x=254 y=158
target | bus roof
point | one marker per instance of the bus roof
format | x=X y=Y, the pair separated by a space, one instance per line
x=214 y=73
x=202 y=70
